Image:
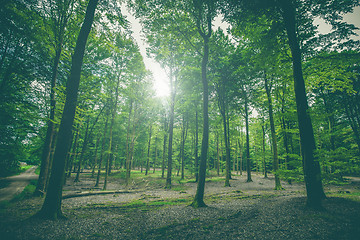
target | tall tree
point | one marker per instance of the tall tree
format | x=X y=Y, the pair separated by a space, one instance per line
x=59 y=14
x=52 y=205
x=314 y=189
x=273 y=134
x=204 y=13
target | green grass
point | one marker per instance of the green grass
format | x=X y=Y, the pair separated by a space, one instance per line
x=37 y=171
x=27 y=192
x=354 y=196
x=142 y=205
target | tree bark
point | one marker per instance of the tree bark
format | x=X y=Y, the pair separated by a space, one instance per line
x=45 y=157
x=52 y=205
x=171 y=129
x=148 y=153
x=264 y=156
x=248 y=160
x=273 y=136
x=183 y=139
x=312 y=173
x=199 y=196
x=127 y=147
x=196 y=146
x=83 y=149
x=102 y=151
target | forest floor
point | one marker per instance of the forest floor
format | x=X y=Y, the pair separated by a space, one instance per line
x=146 y=210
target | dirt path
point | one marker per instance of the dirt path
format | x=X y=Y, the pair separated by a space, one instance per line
x=17 y=184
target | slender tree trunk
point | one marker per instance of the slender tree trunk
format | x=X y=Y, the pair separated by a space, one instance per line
x=273 y=136
x=74 y=151
x=148 y=154
x=155 y=157
x=95 y=158
x=171 y=129
x=353 y=123
x=223 y=112
x=183 y=139
x=111 y=147
x=131 y=148
x=248 y=160
x=164 y=146
x=264 y=156
x=52 y=151
x=196 y=146
x=164 y=156
x=217 y=155
x=45 y=157
x=102 y=151
x=52 y=205
x=199 y=196
x=68 y=156
x=127 y=163
x=77 y=178
x=312 y=173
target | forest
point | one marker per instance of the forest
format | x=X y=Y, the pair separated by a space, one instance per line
x=271 y=97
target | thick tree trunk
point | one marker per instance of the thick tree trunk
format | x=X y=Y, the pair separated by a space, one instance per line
x=273 y=136
x=314 y=189
x=52 y=205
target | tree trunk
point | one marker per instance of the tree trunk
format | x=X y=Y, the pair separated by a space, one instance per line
x=156 y=152
x=171 y=129
x=52 y=205
x=45 y=157
x=74 y=151
x=127 y=147
x=148 y=154
x=248 y=161
x=77 y=178
x=217 y=155
x=183 y=139
x=196 y=146
x=273 y=136
x=102 y=151
x=164 y=147
x=199 y=196
x=111 y=147
x=164 y=156
x=314 y=189
x=264 y=156
x=95 y=158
